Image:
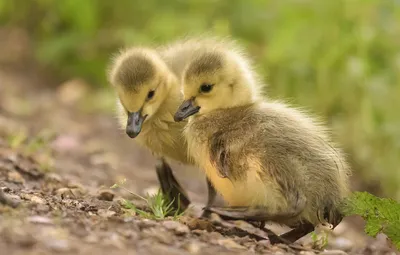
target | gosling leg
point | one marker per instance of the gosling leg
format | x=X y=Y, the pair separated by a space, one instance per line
x=210 y=200
x=171 y=187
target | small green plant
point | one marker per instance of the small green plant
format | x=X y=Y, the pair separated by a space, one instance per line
x=159 y=204
x=382 y=215
x=320 y=241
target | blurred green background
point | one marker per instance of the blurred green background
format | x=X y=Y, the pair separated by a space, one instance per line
x=339 y=58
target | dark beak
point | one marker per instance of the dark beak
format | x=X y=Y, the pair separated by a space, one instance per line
x=185 y=110
x=134 y=124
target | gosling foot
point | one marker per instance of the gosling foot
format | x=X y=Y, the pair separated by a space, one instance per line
x=298 y=232
x=252 y=214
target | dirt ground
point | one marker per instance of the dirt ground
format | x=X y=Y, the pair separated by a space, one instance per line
x=58 y=157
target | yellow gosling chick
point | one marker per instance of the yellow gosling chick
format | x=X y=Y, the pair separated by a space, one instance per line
x=269 y=162
x=148 y=94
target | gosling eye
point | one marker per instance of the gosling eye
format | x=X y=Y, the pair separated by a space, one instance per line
x=150 y=95
x=205 y=87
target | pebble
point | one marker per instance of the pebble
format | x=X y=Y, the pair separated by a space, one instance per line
x=195 y=223
x=178 y=228
x=38 y=200
x=106 y=195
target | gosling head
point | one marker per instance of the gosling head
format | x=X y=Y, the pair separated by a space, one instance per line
x=216 y=79
x=142 y=81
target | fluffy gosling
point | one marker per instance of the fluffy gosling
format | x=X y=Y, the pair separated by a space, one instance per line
x=269 y=162
x=147 y=96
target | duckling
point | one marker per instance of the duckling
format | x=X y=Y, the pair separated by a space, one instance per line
x=269 y=161
x=147 y=96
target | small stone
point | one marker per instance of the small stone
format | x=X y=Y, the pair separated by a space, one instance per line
x=105 y=213
x=106 y=195
x=196 y=223
x=15 y=177
x=38 y=200
x=333 y=252
x=39 y=220
x=230 y=244
x=177 y=227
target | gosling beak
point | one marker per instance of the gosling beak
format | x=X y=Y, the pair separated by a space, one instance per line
x=134 y=124
x=186 y=109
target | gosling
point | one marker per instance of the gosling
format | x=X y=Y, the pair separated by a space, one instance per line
x=269 y=162
x=147 y=96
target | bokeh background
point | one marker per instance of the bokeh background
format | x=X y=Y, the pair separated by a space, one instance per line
x=339 y=58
